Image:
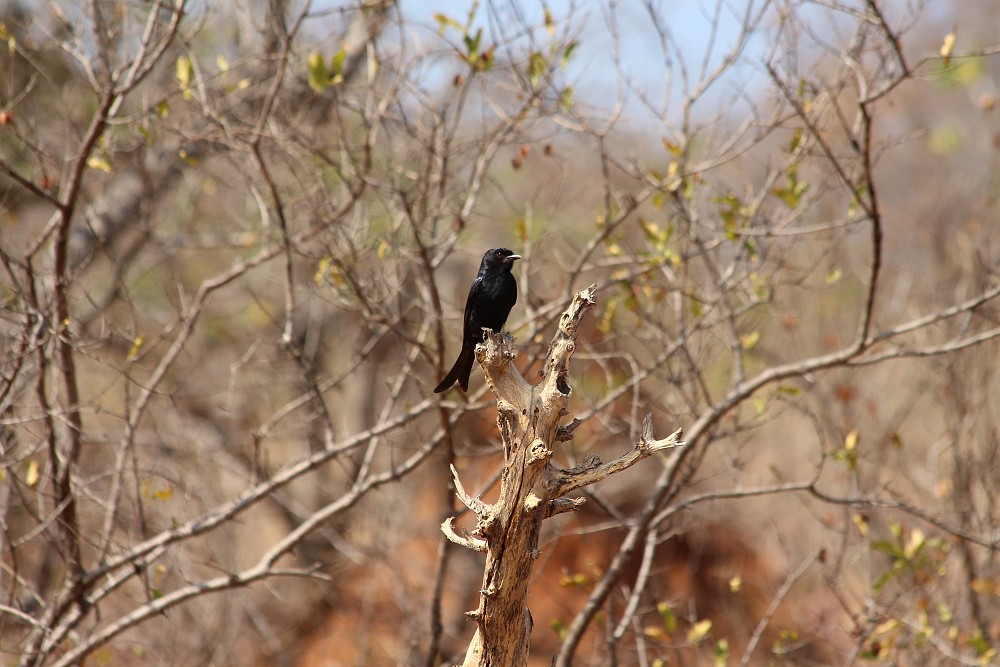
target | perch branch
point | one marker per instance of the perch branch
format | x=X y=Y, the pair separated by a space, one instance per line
x=594 y=471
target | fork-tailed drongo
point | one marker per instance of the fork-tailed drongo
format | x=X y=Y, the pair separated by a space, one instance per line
x=493 y=294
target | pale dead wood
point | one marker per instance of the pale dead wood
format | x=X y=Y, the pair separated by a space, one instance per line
x=531 y=488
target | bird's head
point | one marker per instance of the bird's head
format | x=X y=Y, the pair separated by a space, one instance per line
x=499 y=257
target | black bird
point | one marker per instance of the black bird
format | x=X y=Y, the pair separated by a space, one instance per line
x=492 y=295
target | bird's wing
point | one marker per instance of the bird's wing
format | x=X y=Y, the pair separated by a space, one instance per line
x=477 y=286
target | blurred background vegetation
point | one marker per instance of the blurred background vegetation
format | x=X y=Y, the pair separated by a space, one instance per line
x=237 y=240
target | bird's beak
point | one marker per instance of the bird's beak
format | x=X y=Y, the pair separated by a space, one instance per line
x=510 y=258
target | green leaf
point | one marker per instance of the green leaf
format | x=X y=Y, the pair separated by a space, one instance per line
x=472 y=44
x=337 y=66
x=962 y=72
x=568 y=53
x=566 y=97
x=792 y=193
x=559 y=628
x=796 y=140
x=721 y=653
x=537 y=64
x=667 y=614
x=980 y=644
x=882 y=581
x=319 y=77
x=887 y=547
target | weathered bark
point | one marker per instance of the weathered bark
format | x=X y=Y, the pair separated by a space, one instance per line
x=531 y=488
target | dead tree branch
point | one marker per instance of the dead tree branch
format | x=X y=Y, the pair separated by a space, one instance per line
x=531 y=488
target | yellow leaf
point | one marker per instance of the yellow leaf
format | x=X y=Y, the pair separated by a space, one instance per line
x=577 y=580
x=913 y=545
x=185 y=75
x=734 y=584
x=759 y=405
x=321 y=269
x=674 y=181
x=383 y=248
x=95 y=162
x=750 y=340
x=699 y=630
x=33 y=474
x=833 y=276
x=861 y=523
x=136 y=346
x=654 y=632
x=851 y=441
x=886 y=626
x=164 y=494
x=948 y=46
x=187 y=157
x=986 y=586
x=222 y=63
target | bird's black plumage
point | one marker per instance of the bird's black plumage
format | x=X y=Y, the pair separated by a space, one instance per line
x=492 y=295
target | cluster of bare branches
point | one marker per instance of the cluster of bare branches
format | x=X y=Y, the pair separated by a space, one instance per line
x=235 y=247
